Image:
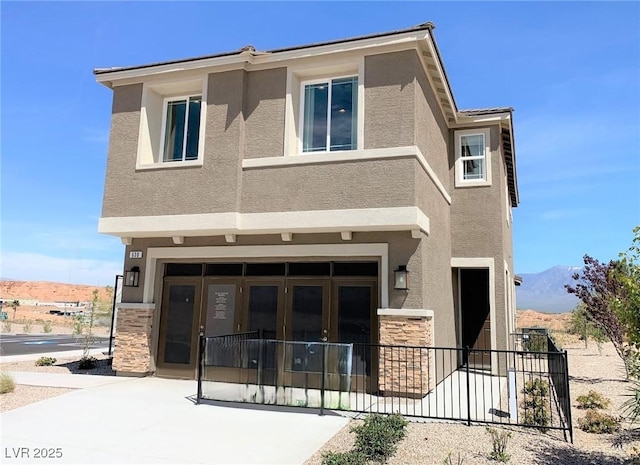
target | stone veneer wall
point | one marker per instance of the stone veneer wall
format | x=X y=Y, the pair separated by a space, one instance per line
x=133 y=341
x=406 y=371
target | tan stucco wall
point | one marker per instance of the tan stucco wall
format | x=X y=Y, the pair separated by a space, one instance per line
x=264 y=109
x=389 y=100
x=477 y=226
x=432 y=132
x=357 y=184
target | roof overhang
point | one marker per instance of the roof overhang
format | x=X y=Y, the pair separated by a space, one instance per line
x=503 y=117
x=419 y=38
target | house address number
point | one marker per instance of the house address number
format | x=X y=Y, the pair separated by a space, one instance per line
x=135 y=254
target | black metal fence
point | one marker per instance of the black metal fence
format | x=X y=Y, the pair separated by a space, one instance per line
x=520 y=387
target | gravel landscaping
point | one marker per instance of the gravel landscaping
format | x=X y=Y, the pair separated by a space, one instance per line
x=431 y=442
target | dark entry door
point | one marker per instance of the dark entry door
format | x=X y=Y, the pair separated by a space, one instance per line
x=179 y=322
x=354 y=320
x=476 y=321
x=306 y=322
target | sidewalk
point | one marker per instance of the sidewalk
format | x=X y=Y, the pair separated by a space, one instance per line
x=119 y=420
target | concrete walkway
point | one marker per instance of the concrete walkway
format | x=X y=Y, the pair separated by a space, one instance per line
x=117 y=420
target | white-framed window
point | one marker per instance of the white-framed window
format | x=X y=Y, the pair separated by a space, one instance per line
x=324 y=107
x=181 y=128
x=172 y=122
x=473 y=162
x=329 y=115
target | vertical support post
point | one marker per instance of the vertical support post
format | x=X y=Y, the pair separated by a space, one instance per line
x=201 y=346
x=466 y=351
x=325 y=347
x=113 y=313
x=567 y=401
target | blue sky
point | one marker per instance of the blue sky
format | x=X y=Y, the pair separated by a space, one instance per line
x=570 y=70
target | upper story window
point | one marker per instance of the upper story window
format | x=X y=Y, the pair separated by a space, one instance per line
x=182 y=128
x=473 y=162
x=330 y=115
x=324 y=107
x=172 y=124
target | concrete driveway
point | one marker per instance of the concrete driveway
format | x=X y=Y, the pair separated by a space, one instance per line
x=154 y=420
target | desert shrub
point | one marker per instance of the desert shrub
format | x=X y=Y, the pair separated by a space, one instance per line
x=87 y=363
x=536 y=404
x=344 y=458
x=499 y=440
x=6 y=326
x=7 y=384
x=45 y=361
x=599 y=423
x=78 y=325
x=378 y=436
x=449 y=461
x=535 y=342
x=47 y=327
x=27 y=326
x=631 y=406
x=593 y=400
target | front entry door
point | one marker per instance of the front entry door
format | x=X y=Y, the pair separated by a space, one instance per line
x=306 y=320
x=179 y=322
x=476 y=320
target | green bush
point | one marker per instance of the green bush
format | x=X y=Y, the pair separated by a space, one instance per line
x=6 y=326
x=87 y=363
x=378 y=436
x=344 y=458
x=593 y=400
x=27 y=326
x=535 y=342
x=599 y=423
x=536 y=404
x=499 y=440
x=7 y=384
x=45 y=361
x=631 y=406
x=47 y=327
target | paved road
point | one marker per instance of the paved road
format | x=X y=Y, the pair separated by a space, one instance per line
x=42 y=343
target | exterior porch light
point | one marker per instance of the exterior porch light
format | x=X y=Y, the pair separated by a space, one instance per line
x=132 y=277
x=401 y=276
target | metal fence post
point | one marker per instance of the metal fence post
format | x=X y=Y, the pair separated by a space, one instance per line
x=201 y=346
x=467 y=355
x=325 y=347
x=567 y=402
x=113 y=312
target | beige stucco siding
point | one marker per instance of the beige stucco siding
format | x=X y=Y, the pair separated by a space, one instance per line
x=436 y=257
x=477 y=225
x=123 y=147
x=212 y=187
x=264 y=110
x=389 y=100
x=330 y=186
x=432 y=132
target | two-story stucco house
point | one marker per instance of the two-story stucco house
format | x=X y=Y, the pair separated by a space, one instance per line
x=331 y=191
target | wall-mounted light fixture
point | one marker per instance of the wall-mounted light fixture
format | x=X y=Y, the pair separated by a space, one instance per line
x=132 y=277
x=401 y=276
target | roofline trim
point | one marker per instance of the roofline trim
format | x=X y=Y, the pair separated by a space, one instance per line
x=241 y=55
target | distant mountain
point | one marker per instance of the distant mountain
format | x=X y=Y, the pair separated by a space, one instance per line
x=545 y=291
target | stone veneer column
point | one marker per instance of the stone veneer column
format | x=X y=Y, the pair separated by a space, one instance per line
x=406 y=371
x=133 y=338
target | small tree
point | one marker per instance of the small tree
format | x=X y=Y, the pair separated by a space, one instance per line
x=597 y=287
x=15 y=304
x=86 y=333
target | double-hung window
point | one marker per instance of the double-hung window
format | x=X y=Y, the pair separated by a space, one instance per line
x=330 y=115
x=473 y=165
x=181 y=128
